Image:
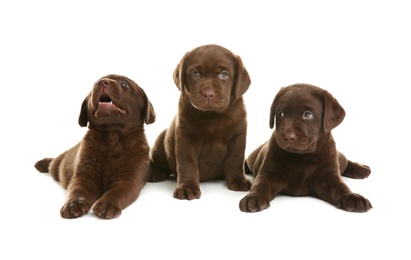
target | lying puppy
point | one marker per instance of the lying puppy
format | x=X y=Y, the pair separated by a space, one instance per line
x=206 y=139
x=108 y=168
x=300 y=158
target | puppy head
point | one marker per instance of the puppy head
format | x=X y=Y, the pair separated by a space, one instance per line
x=115 y=101
x=303 y=114
x=211 y=77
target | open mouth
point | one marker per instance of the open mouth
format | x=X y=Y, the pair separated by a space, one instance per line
x=106 y=103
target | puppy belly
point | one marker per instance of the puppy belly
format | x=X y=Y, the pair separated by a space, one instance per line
x=210 y=170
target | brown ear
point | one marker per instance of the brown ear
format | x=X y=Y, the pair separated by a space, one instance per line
x=272 y=115
x=273 y=107
x=83 y=118
x=333 y=112
x=148 y=110
x=179 y=74
x=241 y=78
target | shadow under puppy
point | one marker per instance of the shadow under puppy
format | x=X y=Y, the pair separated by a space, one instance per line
x=300 y=158
x=108 y=168
x=206 y=139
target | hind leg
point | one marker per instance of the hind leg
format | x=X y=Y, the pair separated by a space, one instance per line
x=156 y=173
x=356 y=170
x=352 y=169
x=51 y=165
x=158 y=168
x=253 y=161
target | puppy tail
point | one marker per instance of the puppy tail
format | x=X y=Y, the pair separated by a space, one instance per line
x=43 y=165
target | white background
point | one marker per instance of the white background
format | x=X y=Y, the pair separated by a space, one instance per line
x=51 y=53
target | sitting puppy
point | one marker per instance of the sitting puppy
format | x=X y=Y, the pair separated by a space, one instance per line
x=108 y=168
x=206 y=139
x=300 y=158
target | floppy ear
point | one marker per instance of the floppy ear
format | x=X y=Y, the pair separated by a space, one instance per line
x=83 y=118
x=333 y=112
x=148 y=111
x=272 y=115
x=241 y=78
x=179 y=74
x=274 y=106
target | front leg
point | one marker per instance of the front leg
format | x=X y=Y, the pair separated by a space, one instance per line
x=235 y=177
x=333 y=190
x=81 y=194
x=263 y=190
x=188 y=174
x=118 y=197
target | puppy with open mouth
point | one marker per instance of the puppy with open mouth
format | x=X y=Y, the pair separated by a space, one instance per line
x=108 y=168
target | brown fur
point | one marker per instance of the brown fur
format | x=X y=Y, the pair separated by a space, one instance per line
x=206 y=139
x=300 y=158
x=108 y=168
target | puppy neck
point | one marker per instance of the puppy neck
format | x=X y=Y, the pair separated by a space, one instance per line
x=119 y=128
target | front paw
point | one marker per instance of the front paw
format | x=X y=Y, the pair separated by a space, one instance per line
x=75 y=208
x=354 y=203
x=242 y=184
x=253 y=203
x=184 y=192
x=106 y=210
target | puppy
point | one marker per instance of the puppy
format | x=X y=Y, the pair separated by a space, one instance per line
x=108 y=168
x=206 y=139
x=300 y=158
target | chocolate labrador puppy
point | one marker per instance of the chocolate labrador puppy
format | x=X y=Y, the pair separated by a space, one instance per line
x=300 y=158
x=206 y=139
x=108 y=168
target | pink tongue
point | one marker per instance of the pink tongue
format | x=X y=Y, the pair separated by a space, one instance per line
x=105 y=104
x=109 y=105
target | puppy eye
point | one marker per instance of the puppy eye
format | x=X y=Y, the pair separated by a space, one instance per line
x=280 y=114
x=308 y=115
x=195 y=73
x=124 y=84
x=223 y=75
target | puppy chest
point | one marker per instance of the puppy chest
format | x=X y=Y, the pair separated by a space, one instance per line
x=211 y=158
x=213 y=151
x=300 y=181
x=113 y=156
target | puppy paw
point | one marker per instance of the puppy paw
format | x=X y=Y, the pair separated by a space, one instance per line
x=253 y=203
x=354 y=203
x=356 y=170
x=243 y=184
x=75 y=208
x=187 y=193
x=156 y=175
x=106 y=210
